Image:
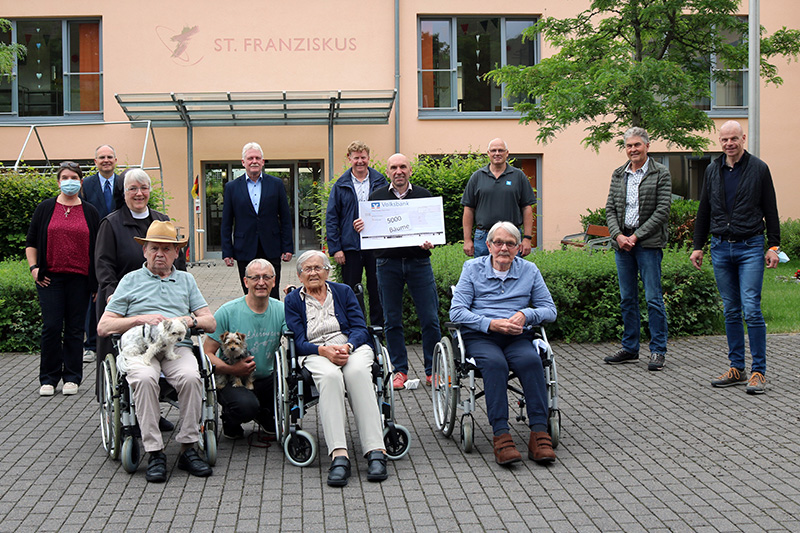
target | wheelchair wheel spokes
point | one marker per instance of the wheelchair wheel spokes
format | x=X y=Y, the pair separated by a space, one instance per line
x=300 y=447
x=444 y=386
x=110 y=423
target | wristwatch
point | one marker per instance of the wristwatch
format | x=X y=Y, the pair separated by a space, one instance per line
x=33 y=267
x=349 y=345
x=527 y=237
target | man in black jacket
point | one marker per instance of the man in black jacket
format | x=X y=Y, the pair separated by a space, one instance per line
x=736 y=203
x=405 y=266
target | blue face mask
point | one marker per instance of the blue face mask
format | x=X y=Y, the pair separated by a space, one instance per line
x=70 y=187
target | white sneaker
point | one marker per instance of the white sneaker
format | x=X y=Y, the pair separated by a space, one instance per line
x=69 y=389
x=88 y=356
x=47 y=390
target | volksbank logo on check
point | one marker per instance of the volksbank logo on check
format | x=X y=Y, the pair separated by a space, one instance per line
x=389 y=203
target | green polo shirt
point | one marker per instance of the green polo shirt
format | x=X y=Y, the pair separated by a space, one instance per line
x=143 y=293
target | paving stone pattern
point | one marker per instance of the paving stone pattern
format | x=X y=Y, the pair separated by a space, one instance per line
x=640 y=451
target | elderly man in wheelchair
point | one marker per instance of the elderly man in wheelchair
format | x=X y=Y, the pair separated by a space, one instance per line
x=148 y=296
x=497 y=300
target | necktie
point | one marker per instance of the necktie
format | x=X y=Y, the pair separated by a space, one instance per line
x=108 y=196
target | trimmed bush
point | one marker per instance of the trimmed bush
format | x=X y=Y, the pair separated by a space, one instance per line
x=20 y=193
x=790 y=238
x=20 y=314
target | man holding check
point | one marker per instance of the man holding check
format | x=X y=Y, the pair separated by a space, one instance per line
x=408 y=265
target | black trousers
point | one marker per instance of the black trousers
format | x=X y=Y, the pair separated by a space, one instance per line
x=63 y=304
x=240 y=405
x=355 y=262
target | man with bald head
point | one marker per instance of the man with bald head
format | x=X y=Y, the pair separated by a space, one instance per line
x=405 y=266
x=736 y=204
x=496 y=192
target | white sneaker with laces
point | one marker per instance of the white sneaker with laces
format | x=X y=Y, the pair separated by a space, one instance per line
x=69 y=389
x=47 y=390
x=88 y=356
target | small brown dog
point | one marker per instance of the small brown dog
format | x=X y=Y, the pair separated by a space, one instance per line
x=234 y=349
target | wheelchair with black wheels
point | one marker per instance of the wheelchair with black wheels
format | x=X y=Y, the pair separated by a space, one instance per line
x=295 y=392
x=119 y=428
x=454 y=371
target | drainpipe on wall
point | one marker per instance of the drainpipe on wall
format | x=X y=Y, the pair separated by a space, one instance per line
x=397 y=75
x=754 y=80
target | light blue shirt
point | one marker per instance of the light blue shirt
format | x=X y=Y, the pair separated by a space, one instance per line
x=254 y=188
x=481 y=296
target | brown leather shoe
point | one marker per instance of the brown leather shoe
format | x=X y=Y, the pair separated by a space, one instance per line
x=505 y=451
x=540 y=447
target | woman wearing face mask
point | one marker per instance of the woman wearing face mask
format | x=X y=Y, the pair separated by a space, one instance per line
x=60 y=248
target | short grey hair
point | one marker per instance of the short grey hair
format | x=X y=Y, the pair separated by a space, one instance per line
x=305 y=256
x=135 y=175
x=252 y=146
x=114 y=152
x=636 y=132
x=508 y=226
x=263 y=263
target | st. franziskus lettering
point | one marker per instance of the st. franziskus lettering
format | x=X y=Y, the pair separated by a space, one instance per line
x=285 y=44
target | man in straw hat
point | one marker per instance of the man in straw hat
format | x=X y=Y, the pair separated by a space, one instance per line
x=153 y=293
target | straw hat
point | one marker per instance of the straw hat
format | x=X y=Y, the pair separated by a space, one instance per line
x=162 y=231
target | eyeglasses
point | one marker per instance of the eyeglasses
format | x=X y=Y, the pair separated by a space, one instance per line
x=506 y=244
x=498 y=151
x=315 y=269
x=263 y=277
x=137 y=189
x=69 y=164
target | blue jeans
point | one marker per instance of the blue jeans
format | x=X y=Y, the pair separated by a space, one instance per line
x=644 y=262
x=495 y=354
x=418 y=275
x=480 y=243
x=739 y=271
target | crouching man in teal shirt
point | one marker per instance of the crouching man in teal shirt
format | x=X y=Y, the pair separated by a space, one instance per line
x=261 y=319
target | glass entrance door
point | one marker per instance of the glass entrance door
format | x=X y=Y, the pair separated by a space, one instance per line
x=300 y=179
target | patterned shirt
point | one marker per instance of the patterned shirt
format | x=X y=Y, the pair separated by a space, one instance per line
x=322 y=326
x=632 y=202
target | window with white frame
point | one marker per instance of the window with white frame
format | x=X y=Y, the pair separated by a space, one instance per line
x=456 y=52
x=731 y=94
x=61 y=73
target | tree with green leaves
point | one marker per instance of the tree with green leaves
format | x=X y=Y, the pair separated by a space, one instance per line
x=8 y=52
x=646 y=63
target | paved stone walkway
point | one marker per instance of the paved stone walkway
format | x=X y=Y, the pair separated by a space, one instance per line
x=640 y=451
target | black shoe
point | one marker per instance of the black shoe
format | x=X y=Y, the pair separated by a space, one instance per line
x=165 y=425
x=157 y=468
x=657 y=361
x=376 y=466
x=622 y=357
x=232 y=431
x=191 y=462
x=339 y=472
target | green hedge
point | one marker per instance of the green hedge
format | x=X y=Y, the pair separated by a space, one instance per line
x=20 y=314
x=790 y=238
x=586 y=293
x=20 y=193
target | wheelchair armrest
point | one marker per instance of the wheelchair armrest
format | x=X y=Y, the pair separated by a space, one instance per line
x=375 y=331
x=196 y=331
x=452 y=326
x=289 y=334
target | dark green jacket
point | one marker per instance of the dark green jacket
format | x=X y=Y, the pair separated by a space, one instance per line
x=655 y=197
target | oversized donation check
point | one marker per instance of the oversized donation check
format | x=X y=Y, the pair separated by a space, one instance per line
x=395 y=223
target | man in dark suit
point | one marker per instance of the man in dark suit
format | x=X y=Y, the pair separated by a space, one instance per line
x=255 y=218
x=104 y=191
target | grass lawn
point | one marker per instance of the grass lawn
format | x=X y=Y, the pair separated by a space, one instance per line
x=780 y=300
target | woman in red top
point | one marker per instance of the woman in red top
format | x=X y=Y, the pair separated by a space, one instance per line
x=60 y=248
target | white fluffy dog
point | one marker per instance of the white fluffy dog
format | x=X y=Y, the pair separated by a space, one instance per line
x=140 y=344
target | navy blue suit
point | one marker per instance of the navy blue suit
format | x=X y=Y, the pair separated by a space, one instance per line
x=92 y=192
x=245 y=232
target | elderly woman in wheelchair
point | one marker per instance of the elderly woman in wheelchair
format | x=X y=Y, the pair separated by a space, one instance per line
x=332 y=342
x=497 y=300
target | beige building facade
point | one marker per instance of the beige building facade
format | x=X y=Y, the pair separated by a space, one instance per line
x=92 y=66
